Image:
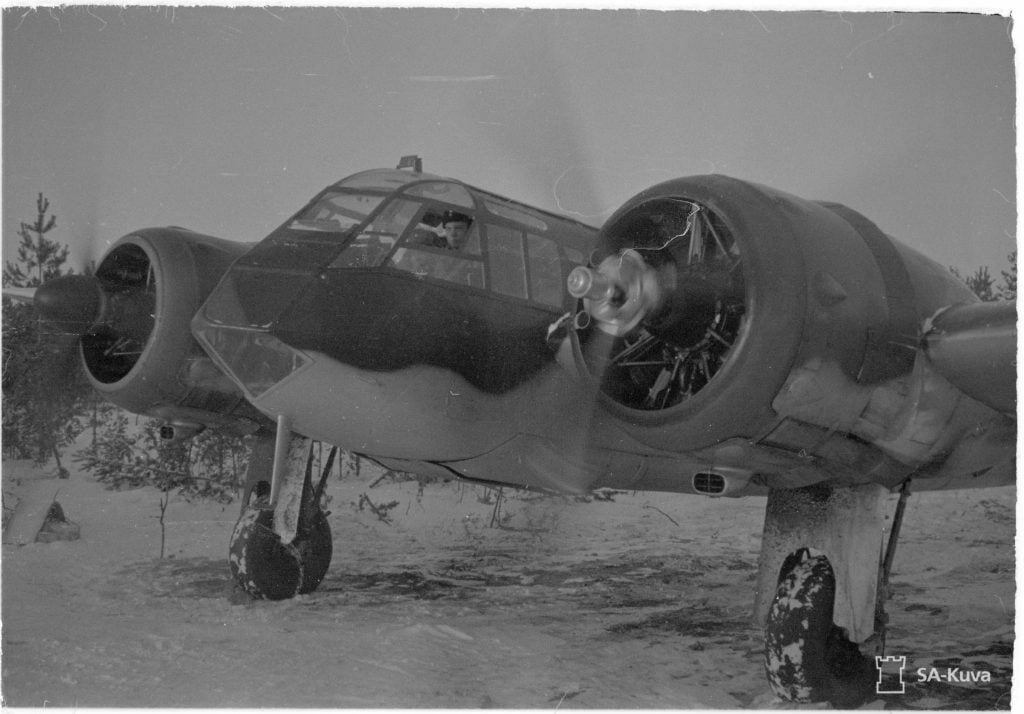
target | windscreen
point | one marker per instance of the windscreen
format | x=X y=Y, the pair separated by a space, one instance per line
x=337 y=212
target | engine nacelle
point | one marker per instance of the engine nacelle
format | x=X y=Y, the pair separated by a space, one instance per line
x=141 y=354
x=754 y=284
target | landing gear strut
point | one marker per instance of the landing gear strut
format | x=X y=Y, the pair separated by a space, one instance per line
x=281 y=545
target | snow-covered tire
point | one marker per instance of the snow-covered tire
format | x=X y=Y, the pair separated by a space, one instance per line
x=807 y=657
x=266 y=568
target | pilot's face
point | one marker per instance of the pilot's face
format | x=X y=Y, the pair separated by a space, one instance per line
x=455 y=233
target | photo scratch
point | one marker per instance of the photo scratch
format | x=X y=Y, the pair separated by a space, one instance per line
x=60 y=27
x=894 y=22
x=25 y=14
x=1001 y=195
x=604 y=212
x=92 y=14
x=452 y=78
x=761 y=22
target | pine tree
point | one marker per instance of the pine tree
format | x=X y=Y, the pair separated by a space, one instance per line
x=980 y=282
x=43 y=386
x=207 y=466
x=983 y=284
x=39 y=258
x=1009 y=289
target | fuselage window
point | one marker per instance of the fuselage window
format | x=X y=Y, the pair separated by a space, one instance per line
x=434 y=263
x=386 y=180
x=446 y=229
x=545 y=270
x=378 y=238
x=444 y=191
x=444 y=240
x=336 y=212
x=515 y=213
x=443 y=244
x=505 y=261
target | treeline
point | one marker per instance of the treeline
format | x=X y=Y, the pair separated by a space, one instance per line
x=44 y=392
x=48 y=402
x=984 y=285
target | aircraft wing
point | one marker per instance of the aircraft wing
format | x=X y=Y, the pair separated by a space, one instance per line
x=974 y=346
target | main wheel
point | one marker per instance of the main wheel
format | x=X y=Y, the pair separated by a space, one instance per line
x=267 y=568
x=807 y=657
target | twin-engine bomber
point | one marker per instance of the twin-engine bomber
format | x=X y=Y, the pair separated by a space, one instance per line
x=714 y=337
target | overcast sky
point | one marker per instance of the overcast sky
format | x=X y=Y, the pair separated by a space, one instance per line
x=227 y=120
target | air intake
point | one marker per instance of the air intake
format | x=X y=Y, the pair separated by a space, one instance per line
x=710 y=484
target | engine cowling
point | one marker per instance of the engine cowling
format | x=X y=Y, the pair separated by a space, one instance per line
x=138 y=351
x=750 y=284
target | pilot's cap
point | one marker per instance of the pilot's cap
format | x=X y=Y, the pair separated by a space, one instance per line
x=455 y=216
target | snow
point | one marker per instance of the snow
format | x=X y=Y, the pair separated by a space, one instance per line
x=568 y=604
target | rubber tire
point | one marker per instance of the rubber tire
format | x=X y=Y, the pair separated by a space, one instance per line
x=807 y=657
x=266 y=568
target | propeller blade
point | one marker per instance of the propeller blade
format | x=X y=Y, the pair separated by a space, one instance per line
x=20 y=294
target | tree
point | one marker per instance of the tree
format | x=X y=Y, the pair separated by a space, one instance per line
x=980 y=282
x=1009 y=289
x=983 y=284
x=39 y=258
x=20 y=352
x=125 y=456
x=43 y=388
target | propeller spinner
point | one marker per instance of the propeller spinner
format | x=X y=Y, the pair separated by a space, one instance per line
x=620 y=293
x=112 y=313
x=70 y=304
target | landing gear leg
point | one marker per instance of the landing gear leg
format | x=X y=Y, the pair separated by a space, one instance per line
x=881 y=619
x=818 y=592
x=281 y=544
x=261 y=466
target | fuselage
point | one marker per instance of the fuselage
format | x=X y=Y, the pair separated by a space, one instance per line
x=362 y=332
x=355 y=324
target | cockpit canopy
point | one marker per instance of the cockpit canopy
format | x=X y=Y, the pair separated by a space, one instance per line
x=440 y=229
x=387 y=243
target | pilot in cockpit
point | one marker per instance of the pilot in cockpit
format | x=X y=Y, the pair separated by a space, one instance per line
x=451 y=233
x=454 y=230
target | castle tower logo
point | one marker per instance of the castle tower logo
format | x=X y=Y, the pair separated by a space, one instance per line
x=890 y=675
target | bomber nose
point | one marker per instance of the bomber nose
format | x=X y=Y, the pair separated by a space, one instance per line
x=72 y=303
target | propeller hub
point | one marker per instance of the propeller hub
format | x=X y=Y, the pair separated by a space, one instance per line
x=71 y=303
x=620 y=293
x=586 y=283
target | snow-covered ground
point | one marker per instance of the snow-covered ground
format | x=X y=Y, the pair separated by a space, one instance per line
x=642 y=602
